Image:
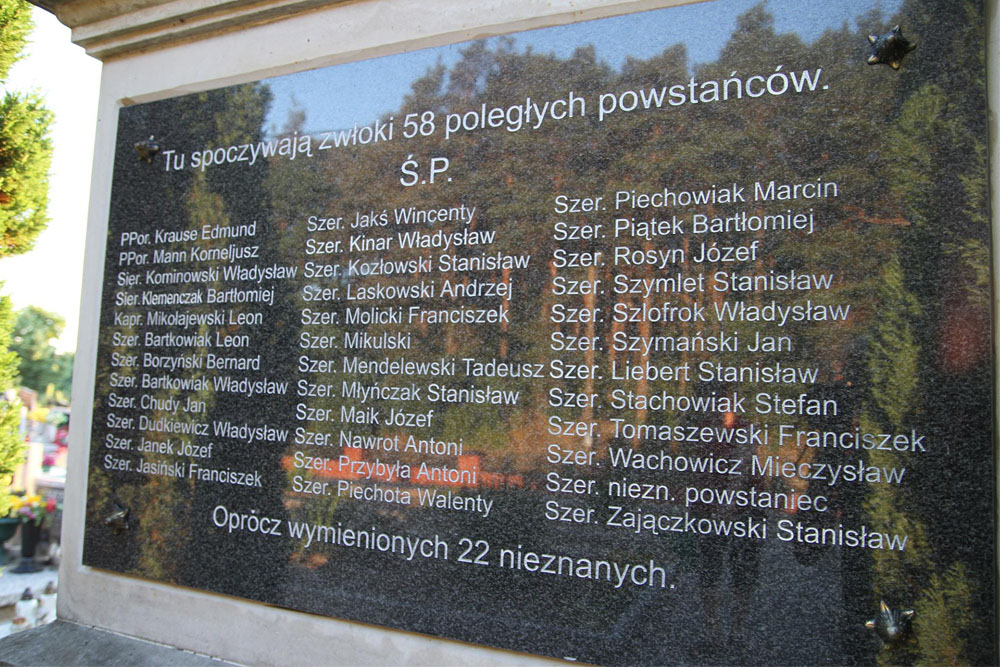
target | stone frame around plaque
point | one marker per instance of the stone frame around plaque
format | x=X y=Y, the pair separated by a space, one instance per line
x=245 y=629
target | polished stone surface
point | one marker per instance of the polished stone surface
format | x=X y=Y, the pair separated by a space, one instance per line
x=730 y=385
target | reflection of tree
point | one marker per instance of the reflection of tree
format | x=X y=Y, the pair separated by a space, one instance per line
x=936 y=154
x=913 y=224
x=170 y=517
x=905 y=241
x=893 y=359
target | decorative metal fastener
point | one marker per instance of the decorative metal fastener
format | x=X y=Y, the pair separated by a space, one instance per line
x=890 y=48
x=148 y=149
x=891 y=624
x=118 y=520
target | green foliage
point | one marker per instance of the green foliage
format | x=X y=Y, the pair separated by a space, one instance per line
x=15 y=25
x=11 y=444
x=41 y=366
x=25 y=149
x=34 y=330
x=25 y=155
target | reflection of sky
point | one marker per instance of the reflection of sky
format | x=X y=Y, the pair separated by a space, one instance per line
x=337 y=97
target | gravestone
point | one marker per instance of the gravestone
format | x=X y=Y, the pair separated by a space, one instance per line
x=656 y=338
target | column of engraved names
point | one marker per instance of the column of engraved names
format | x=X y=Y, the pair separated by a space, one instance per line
x=187 y=307
x=720 y=372
x=655 y=296
x=372 y=401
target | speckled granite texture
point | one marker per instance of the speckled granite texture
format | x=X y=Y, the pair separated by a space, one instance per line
x=657 y=339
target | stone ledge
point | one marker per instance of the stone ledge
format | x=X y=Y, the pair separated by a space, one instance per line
x=106 y=29
x=64 y=643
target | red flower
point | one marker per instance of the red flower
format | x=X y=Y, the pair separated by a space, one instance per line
x=50 y=506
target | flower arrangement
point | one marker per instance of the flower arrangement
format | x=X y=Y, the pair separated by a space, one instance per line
x=34 y=508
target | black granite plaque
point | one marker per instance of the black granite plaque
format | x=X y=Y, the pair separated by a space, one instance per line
x=663 y=338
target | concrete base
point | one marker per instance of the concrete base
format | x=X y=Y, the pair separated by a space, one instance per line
x=64 y=643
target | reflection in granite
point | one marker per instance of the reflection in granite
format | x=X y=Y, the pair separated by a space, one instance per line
x=606 y=353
